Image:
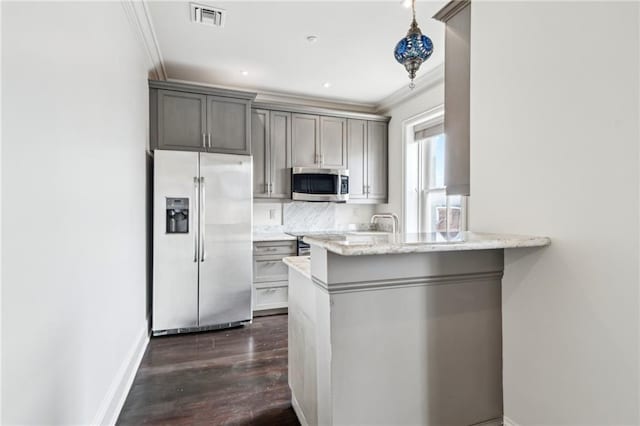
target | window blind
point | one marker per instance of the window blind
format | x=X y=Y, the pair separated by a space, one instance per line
x=427 y=130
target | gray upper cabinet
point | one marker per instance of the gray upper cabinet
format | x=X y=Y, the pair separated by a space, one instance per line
x=280 y=154
x=367 y=161
x=271 y=150
x=199 y=118
x=320 y=138
x=228 y=125
x=377 y=161
x=333 y=142
x=181 y=120
x=357 y=158
x=260 y=150
x=306 y=139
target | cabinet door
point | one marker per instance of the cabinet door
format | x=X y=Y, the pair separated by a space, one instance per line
x=280 y=153
x=228 y=125
x=180 y=120
x=356 y=158
x=333 y=142
x=260 y=151
x=377 y=153
x=305 y=139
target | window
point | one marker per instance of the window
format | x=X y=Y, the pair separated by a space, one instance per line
x=427 y=207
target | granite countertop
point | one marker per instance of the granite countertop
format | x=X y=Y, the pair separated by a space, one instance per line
x=272 y=236
x=358 y=244
x=301 y=264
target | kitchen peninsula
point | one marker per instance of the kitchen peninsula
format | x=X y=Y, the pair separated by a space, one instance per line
x=398 y=329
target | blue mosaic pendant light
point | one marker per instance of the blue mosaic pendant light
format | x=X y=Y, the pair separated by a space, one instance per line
x=414 y=49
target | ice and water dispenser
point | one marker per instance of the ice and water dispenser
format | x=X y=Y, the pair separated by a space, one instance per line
x=177 y=216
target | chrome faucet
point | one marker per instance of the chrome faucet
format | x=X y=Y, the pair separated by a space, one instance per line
x=396 y=221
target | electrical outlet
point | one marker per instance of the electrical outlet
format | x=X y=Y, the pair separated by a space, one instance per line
x=272 y=214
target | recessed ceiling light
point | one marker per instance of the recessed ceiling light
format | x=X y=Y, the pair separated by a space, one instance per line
x=245 y=73
x=326 y=85
x=406 y=3
x=312 y=38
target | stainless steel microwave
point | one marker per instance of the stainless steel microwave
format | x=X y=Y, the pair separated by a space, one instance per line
x=317 y=184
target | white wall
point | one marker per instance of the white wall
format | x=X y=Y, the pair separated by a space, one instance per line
x=427 y=99
x=74 y=134
x=554 y=151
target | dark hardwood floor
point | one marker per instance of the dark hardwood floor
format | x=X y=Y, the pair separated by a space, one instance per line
x=227 y=377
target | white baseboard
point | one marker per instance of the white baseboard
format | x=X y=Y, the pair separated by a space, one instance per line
x=493 y=422
x=508 y=422
x=298 y=411
x=113 y=401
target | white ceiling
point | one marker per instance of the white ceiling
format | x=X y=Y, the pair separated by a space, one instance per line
x=354 y=50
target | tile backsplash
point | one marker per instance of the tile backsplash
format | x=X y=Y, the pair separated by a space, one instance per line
x=306 y=216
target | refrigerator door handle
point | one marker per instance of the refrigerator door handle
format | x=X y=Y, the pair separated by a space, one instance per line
x=203 y=250
x=196 y=189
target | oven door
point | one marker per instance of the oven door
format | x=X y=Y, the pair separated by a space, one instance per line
x=310 y=184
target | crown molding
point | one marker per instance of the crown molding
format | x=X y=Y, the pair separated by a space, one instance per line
x=432 y=78
x=290 y=99
x=138 y=15
x=451 y=9
x=314 y=101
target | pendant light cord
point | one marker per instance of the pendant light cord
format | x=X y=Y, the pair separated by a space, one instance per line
x=413 y=7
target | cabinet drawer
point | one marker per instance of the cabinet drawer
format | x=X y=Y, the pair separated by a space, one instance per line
x=287 y=248
x=269 y=268
x=271 y=298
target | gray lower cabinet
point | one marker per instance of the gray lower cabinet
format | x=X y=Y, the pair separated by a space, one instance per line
x=197 y=118
x=271 y=149
x=270 y=275
x=367 y=161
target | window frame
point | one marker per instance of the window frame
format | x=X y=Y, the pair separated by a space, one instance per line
x=433 y=116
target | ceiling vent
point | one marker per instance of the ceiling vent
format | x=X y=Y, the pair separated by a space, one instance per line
x=207 y=15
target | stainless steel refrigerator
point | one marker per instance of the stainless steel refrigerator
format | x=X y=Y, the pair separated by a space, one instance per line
x=202 y=270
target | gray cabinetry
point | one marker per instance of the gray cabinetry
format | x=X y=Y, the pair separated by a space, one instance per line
x=367 y=161
x=333 y=142
x=319 y=141
x=280 y=154
x=316 y=137
x=228 y=125
x=271 y=149
x=270 y=275
x=357 y=158
x=306 y=139
x=181 y=120
x=198 y=118
x=377 y=153
x=260 y=152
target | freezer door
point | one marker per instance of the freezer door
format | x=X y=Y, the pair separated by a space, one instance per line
x=226 y=256
x=175 y=244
